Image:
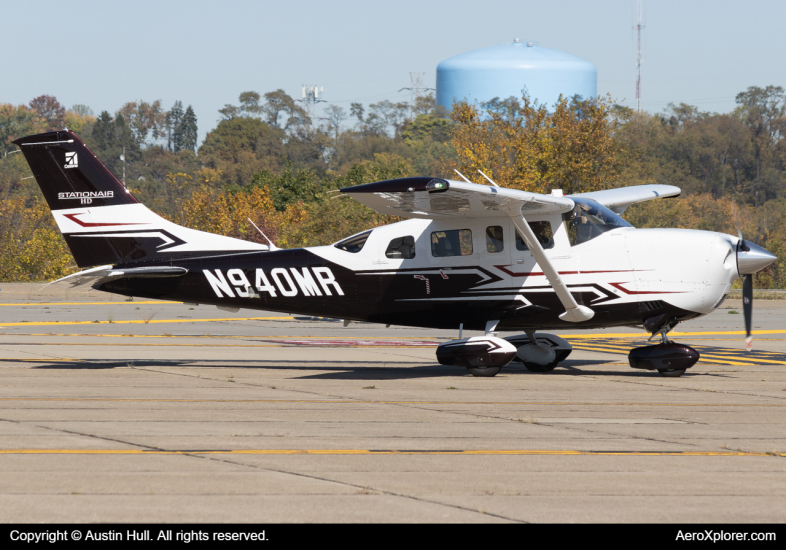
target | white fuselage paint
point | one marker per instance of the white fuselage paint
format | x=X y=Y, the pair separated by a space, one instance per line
x=136 y=220
x=692 y=270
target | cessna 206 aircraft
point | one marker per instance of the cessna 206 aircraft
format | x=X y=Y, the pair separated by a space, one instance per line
x=470 y=256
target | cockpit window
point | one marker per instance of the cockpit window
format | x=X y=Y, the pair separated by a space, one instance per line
x=590 y=219
x=401 y=247
x=542 y=231
x=354 y=243
x=495 y=241
x=455 y=242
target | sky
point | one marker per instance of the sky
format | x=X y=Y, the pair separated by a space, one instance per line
x=104 y=54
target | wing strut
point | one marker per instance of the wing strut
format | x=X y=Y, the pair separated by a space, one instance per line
x=573 y=311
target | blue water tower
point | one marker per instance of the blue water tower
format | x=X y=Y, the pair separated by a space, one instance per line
x=503 y=71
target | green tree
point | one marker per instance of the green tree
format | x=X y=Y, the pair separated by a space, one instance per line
x=174 y=122
x=289 y=187
x=16 y=122
x=762 y=110
x=146 y=120
x=240 y=147
x=188 y=133
x=281 y=111
x=50 y=110
x=112 y=138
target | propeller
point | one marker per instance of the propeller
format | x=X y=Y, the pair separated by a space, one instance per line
x=747 y=284
x=750 y=260
x=747 y=308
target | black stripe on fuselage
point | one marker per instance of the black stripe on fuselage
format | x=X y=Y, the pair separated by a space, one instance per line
x=383 y=296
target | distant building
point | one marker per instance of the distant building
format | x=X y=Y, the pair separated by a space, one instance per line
x=502 y=71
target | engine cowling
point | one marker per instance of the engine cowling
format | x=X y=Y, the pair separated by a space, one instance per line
x=666 y=356
x=478 y=351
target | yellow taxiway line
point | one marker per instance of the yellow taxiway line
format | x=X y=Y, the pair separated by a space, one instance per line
x=139 y=322
x=508 y=452
x=383 y=402
x=671 y=334
x=129 y=303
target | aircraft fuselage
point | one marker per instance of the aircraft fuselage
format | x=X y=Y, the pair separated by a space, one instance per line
x=625 y=276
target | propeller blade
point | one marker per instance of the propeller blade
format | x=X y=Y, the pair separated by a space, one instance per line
x=747 y=308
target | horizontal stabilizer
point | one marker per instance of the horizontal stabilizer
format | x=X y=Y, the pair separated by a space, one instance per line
x=109 y=273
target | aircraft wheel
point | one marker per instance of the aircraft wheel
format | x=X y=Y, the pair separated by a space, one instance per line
x=671 y=373
x=532 y=367
x=484 y=371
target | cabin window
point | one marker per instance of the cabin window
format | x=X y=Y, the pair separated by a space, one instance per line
x=454 y=242
x=542 y=231
x=354 y=243
x=494 y=240
x=401 y=247
x=590 y=219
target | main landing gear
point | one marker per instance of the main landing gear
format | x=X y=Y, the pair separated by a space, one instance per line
x=668 y=358
x=539 y=351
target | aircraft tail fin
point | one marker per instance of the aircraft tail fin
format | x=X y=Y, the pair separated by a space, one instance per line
x=69 y=174
x=101 y=221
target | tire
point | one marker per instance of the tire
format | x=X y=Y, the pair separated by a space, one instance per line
x=532 y=367
x=671 y=373
x=484 y=371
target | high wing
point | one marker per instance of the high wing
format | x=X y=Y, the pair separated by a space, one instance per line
x=435 y=199
x=619 y=199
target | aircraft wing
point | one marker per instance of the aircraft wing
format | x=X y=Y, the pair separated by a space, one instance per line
x=436 y=198
x=619 y=199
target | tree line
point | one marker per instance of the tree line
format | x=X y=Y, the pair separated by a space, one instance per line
x=268 y=159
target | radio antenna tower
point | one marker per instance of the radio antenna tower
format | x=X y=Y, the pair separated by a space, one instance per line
x=311 y=93
x=638 y=28
x=415 y=88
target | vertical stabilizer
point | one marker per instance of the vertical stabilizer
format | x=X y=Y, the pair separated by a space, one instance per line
x=99 y=218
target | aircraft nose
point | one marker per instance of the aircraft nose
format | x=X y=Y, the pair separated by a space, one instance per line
x=752 y=259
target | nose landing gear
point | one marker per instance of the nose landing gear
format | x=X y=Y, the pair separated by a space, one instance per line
x=668 y=358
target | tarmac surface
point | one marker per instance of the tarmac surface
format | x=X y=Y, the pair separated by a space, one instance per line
x=142 y=411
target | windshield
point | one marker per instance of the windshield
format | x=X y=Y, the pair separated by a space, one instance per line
x=354 y=243
x=590 y=219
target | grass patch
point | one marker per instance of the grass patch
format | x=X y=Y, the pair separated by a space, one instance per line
x=147 y=316
x=762 y=294
x=369 y=387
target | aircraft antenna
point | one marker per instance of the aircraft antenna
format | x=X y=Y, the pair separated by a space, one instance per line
x=488 y=178
x=638 y=28
x=462 y=176
x=272 y=246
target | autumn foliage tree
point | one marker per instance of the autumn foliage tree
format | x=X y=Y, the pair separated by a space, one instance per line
x=524 y=145
x=31 y=246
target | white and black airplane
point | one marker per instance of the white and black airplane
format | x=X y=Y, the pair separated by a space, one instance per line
x=477 y=257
